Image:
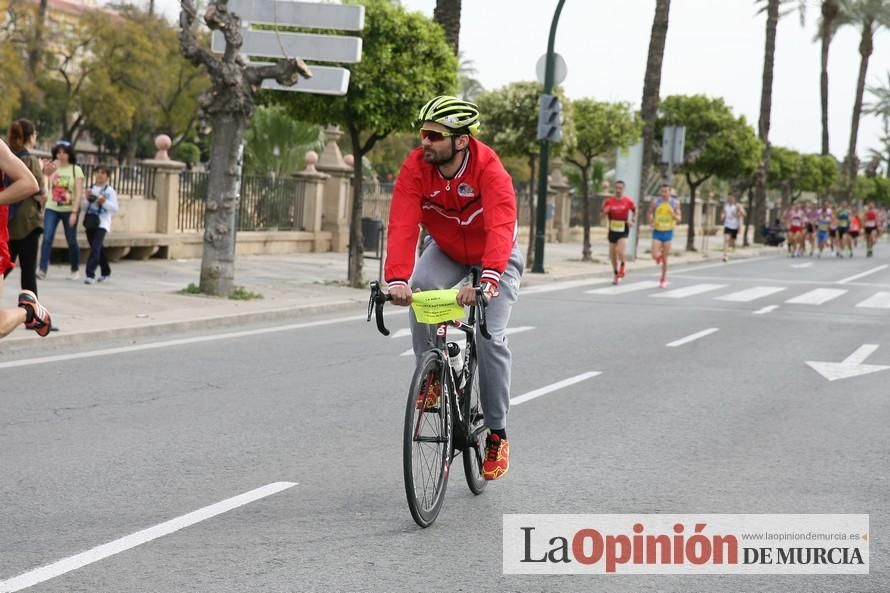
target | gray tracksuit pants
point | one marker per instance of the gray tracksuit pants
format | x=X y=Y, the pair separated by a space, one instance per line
x=435 y=271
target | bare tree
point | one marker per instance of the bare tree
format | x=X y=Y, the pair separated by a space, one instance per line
x=228 y=104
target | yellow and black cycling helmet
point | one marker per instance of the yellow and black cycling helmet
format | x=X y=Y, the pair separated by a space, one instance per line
x=451 y=112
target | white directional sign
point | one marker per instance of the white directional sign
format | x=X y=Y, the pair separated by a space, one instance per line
x=326 y=80
x=305 y=14
x=309 y=47
x=849 y=367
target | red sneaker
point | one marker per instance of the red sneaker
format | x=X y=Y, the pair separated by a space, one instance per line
x=621 y=271
x=615 y=279
x=38 y=317
x=429 y=395
x=497 y=457
x=663 y=282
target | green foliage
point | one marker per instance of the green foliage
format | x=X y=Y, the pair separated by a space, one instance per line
x=793 y=172
x=276 y=143
x=187 y=153
x=239 y=293
x=717 y=143
x=876 y=189
x=601 y=127
x=192 y=288
x=405 y=62
x=388 y=154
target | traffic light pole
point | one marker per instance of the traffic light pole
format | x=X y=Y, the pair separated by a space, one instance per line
x=544 y=167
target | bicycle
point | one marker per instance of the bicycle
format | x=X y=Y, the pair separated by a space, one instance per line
x=441 y=422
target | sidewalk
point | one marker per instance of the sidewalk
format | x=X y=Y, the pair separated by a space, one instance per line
x=142 y=297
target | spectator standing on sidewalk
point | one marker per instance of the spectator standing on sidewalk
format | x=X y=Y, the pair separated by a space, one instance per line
x=26 y=219
x=99 y=204
x=66 y=187
x=17 y=184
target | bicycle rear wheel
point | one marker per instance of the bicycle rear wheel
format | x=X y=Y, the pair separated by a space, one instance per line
x=426 y=447
x=474 y=453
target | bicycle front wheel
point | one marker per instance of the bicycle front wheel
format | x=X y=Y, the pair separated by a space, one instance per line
x=426 y=447
x=474 y=452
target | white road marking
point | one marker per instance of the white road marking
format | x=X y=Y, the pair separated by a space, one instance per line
x=624 y=288
x=686 y=291
x=767 y=309
x=521 y=399
x=808 y=264
x=180 y=342
x=735 y=262
x=866 y=273
x=125 y=543
x=405 y=331
x=879 y=300
x=751 y=294
x=693 y=337
x=461 y=338
x=852 y=366
x=561 y=286
x=817 y=296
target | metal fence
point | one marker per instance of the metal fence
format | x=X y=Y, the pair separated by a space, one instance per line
x=127 y=180
x=267 y=203
x=376 y=199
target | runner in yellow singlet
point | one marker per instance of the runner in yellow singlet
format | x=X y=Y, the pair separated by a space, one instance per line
x=664 y=214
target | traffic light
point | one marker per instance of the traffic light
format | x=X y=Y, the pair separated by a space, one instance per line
x=550 y=119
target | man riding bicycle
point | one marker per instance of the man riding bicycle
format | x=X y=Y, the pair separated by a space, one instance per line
x=457 y=188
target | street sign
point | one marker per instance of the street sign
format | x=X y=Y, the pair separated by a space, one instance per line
x=560 y=70
x=314 y=15
x=672 y=145
x=326 y=80
x=309 y=47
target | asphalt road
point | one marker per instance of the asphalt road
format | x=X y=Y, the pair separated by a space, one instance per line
x=96 y=446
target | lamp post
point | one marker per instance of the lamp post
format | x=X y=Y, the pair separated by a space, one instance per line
x=543 y=168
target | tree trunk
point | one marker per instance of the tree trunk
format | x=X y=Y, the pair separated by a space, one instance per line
x=356 y=239
x=748 y=216
x=532 y=219
x=447 y=14
x=766 y=96
x=693 y=187
x=651 y=89
x=586 y=254
x=223 y=197
x=865 y=50
x=829 y=12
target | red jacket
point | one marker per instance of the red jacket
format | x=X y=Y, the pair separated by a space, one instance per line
x=472 y=217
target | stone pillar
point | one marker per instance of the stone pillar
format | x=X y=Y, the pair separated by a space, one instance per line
x=313 y=199
x=337 y=191
x=163 y=186
x=558 y=226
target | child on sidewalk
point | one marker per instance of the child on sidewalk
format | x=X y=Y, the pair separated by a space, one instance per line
x=99 y=204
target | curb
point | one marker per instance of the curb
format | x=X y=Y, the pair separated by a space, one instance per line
x=62 y=339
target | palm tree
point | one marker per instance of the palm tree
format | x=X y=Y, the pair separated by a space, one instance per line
x=447 y=14
x=869 y=15
x=651 y=89
x=772 y=10
x=833 y=17
x=470 y=87
x=881 y=108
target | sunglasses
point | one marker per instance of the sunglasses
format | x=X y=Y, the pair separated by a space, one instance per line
x=434 y=135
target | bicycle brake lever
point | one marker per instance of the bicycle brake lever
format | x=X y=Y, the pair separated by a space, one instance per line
x=481 y=303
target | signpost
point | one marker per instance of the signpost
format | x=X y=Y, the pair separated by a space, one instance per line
x=326 y=80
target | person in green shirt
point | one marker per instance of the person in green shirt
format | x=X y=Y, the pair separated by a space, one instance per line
x=63 y=205
x=26 y=219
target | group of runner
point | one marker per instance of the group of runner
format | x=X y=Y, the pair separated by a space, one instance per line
x=838 y=228
x=818 y=227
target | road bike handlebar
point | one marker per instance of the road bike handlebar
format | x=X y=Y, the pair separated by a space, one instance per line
x=379 y=298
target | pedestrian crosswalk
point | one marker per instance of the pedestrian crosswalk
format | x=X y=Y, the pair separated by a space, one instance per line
x=727 y=293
